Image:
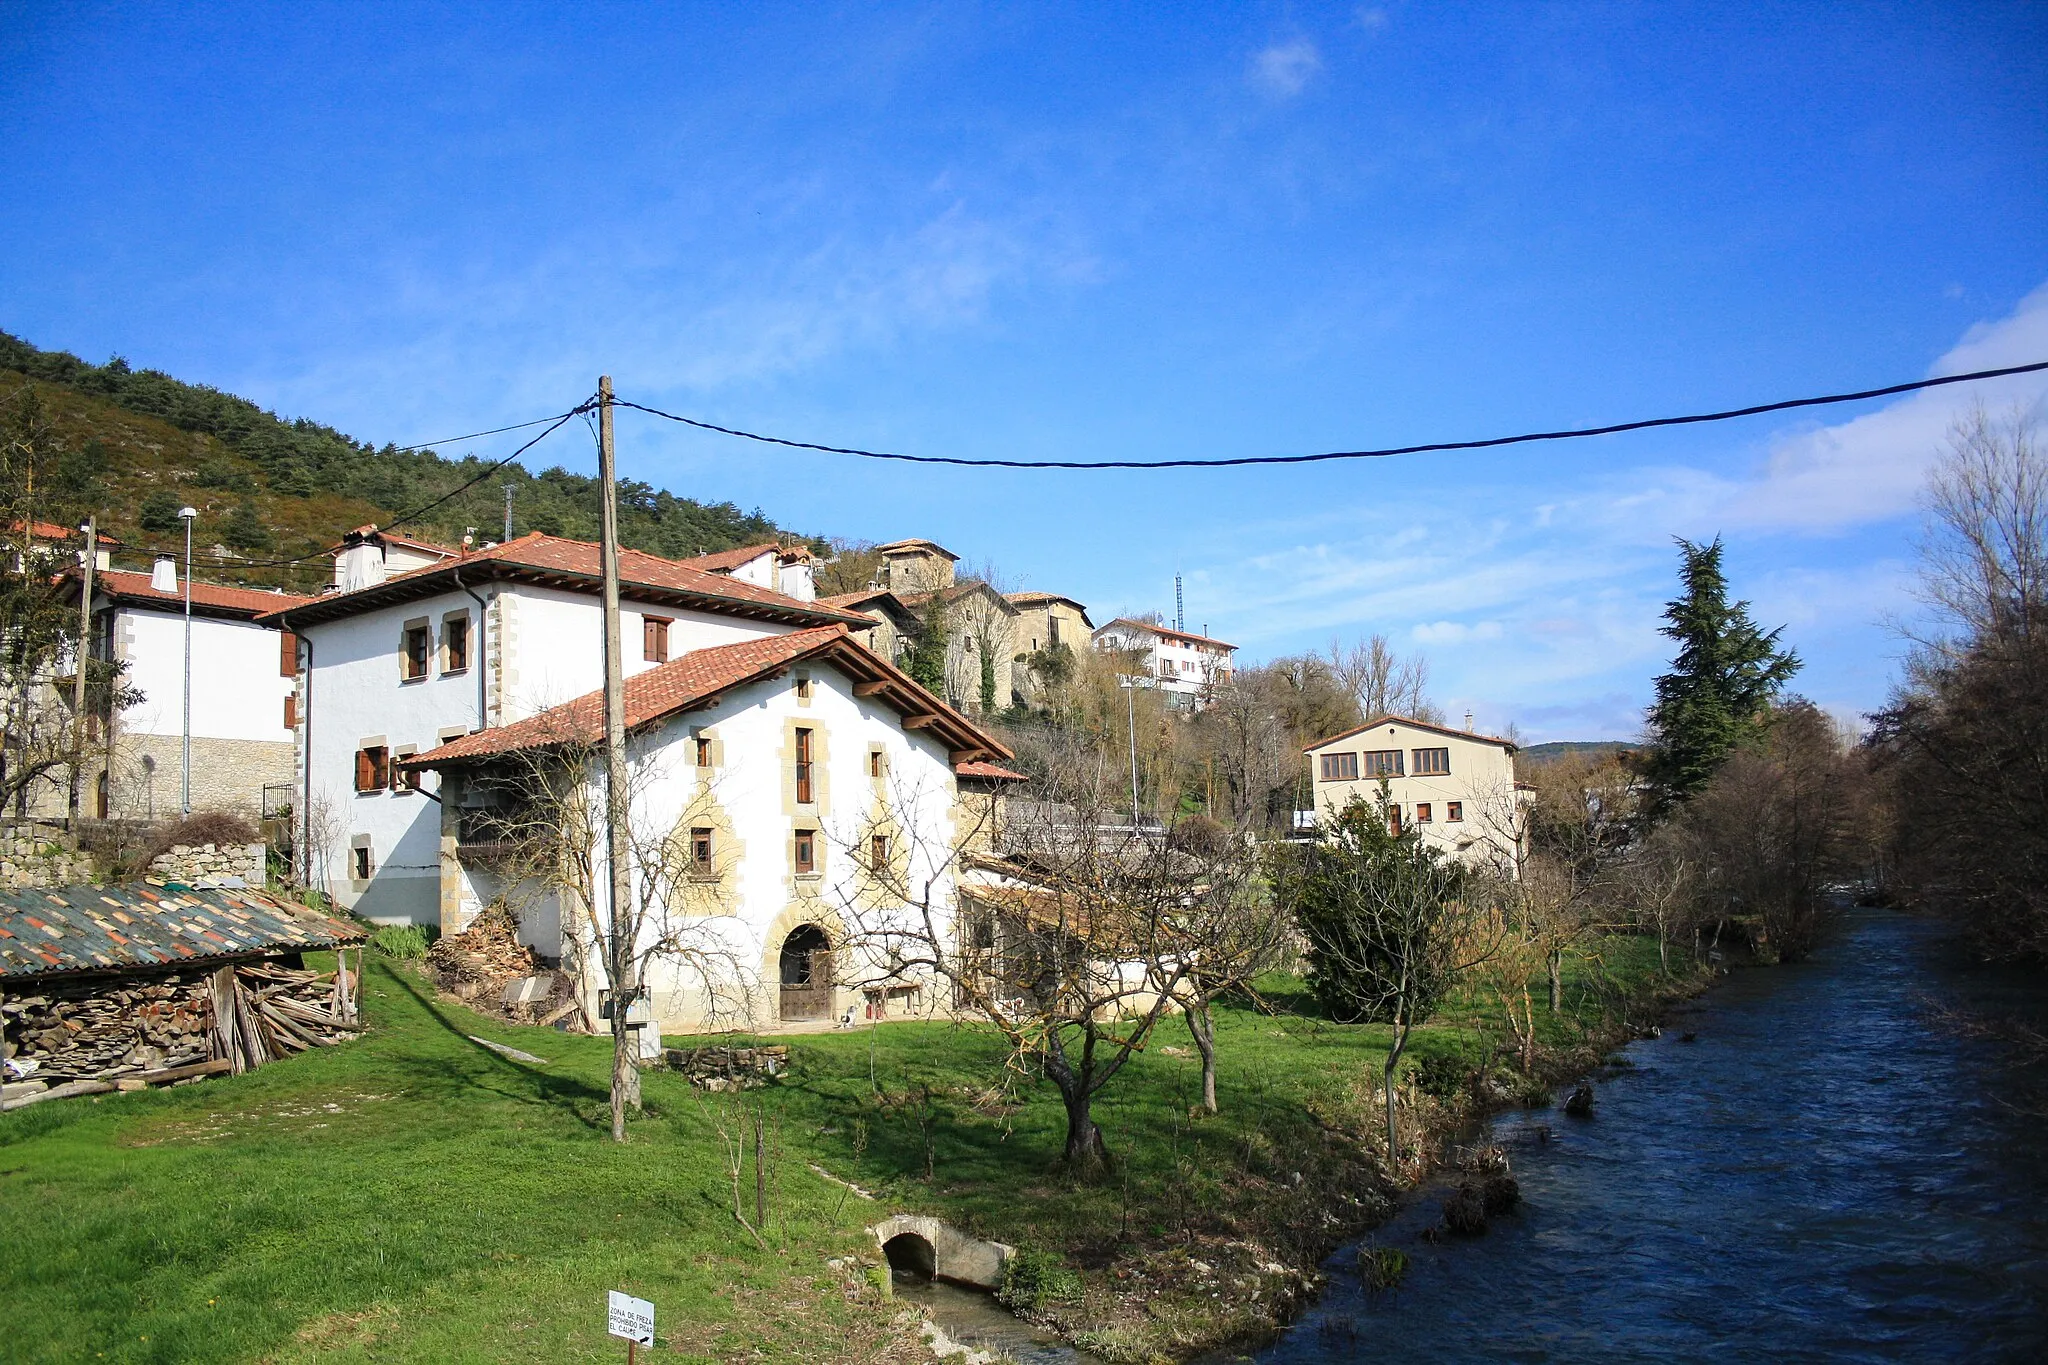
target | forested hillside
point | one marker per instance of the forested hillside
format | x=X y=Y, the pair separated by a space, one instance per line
x=134 y=445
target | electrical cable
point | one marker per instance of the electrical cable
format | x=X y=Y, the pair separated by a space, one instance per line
x=416 y=513
x=1240 y=460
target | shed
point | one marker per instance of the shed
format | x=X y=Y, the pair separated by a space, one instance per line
x=141 y=983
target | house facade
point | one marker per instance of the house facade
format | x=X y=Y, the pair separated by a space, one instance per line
x=408 y=661
x=778 y=787
x=981 y=642
x=243 y=696
x=1183 y=665
x=1454 y=788
x=891 y=628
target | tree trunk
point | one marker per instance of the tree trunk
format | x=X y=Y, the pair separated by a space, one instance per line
x=1556 y=965
x=624 y=1076
x=1663 y=951
x=1203 y=1030
x=1085 y=1152
x=1393 y=1127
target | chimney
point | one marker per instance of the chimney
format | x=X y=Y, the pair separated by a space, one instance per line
x=164 y=577
x=1468 y=722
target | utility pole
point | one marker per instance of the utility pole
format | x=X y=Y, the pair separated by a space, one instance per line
x=625 y=1075
x=187 y=515
x=92 y=546
x=508 y=511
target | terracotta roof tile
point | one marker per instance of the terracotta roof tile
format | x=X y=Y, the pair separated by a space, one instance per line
x=122 y=585
x=724 y=561
x=979 y=768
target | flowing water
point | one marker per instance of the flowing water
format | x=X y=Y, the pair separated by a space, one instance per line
x=1827 y=1173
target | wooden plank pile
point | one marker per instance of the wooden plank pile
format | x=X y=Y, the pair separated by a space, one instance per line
x=476 y=965
x=727 y=1068
x=98 y=1035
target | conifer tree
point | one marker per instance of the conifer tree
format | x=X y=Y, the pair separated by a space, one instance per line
x=1722 y=684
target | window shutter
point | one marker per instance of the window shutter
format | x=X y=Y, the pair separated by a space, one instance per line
x=366 y=771
x=288 y=655
x=291 y=713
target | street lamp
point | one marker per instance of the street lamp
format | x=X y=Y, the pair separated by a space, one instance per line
x=187 y=515
x=1130 y=683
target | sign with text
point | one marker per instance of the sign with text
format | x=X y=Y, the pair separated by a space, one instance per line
x=632 y=1319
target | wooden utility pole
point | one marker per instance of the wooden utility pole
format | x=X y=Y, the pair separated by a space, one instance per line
x=621 y=946
x=83 y=656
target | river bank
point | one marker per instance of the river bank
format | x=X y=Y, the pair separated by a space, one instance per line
x=1834 y=1169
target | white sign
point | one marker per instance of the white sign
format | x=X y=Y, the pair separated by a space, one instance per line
x=632 y=1318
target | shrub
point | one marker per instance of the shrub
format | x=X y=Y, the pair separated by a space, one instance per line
x=1033 y=1279
x=217 y=827
x=1381 y=1267
x=1441 y=1075
x=406 y=942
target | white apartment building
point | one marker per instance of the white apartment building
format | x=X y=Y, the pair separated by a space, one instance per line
x=1184 y=664
x=1456 y=789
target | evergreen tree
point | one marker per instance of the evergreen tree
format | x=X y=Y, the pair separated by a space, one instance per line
x=246 y=530
x=927 y=662
x=1722 y=684
x=160 y=512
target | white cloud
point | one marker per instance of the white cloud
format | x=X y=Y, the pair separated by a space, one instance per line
x=1455 y=632
x=1285 y=69
x=1371 y=18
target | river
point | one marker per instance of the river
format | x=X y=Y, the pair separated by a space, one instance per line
x=1825 y=1174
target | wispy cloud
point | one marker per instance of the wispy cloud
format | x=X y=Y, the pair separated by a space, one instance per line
x=1284 y=69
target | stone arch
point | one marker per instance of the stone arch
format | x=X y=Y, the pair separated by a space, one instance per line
x=801 y=928
x=954 y=1256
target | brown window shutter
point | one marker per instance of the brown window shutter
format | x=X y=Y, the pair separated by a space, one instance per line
x=288 y=655
x=291 y=713
x=366 y=771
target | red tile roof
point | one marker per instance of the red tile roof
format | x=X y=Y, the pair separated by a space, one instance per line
x=1377 y=721
x=44 y=530
x=574 y=564
x=899 y=546
x=696 y=679
x=979 y=768
x=371 y=531
x=1169 y=632
x=248 y=603
x=724 y=561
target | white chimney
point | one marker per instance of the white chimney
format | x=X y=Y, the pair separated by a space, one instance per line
x=1468 y=722
x=164 y=577
x=360 y=565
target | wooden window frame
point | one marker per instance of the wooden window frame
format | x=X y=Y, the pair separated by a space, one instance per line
x=803 y=688
x=362 y=862
x=878 y=853
x=1454 y=812
x=1333 y=768
x=287 y=655
x=424 y=631
x=404 y=781
x=1423 y=813
x=804 y=853
x=701 y=754
x=878 y=764
x=806 y=784
x=654 y=638
x=703 y=853
x=373 y=768
x=453 y=626
x=1423 y=768
x=1373 y=763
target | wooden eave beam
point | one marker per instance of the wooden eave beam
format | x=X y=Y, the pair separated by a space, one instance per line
x=921 y=722
x=869 y=689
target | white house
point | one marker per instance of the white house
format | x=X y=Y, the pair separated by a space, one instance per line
x=243 y=703
x=410 y=660
x=774 y=783
x=1455 y=788
x=1183 y=664
x=785 y=568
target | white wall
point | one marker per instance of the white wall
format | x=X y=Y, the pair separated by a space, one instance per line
x=1482 y=780
x=238 y=687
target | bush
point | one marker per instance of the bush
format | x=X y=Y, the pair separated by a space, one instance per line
x=1033 y=1279
x=216 y=827
x=406 y=942
x=1381 y=1267
x=1441 y=1075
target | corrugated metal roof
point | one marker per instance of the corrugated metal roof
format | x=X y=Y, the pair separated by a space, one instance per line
x=153 y=923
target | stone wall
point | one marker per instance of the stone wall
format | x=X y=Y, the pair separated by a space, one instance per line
x=194 y=864
x=33 y=854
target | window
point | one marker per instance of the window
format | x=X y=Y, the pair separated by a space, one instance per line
x=878 y=852
x=359 y=865
x=654 y=639
x=806 y=851
x=1394 y=821
x=702 y=744
x=288 y=655
x=1454 y=811
x=412 y=662
x=700 y=852
x=455 y=644
x=1340 y=767
x=404 y=780
x=803 y=767
x=1052 y=627
x=875 y=763
x=1422 y=813
x=1432 y=762
x=803 y=689
x=1383 y=763
x=373 y=768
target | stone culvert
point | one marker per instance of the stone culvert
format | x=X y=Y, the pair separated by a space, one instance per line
x=923 y=1248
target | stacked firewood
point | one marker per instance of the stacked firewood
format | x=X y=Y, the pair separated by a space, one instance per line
x=96 y=1035
x=476 y=964
x=727 y=1068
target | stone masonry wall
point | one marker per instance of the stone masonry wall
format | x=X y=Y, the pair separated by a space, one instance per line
x=40 y=855
x=211 y=863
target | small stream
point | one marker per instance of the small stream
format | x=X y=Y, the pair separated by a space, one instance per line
x=1825 y=1174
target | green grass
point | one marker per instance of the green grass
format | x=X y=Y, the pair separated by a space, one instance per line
x=414 y=1197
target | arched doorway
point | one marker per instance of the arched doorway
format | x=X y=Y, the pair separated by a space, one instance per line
x=806 y=974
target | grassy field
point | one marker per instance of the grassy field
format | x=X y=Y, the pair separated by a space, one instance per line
x=416 y=1197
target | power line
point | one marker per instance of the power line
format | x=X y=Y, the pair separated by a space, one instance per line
x=1221 y=463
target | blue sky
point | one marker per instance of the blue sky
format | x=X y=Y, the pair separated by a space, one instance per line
x=1110 y=231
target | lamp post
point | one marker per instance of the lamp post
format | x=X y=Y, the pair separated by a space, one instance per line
x=1130 y=683
x=186 y=515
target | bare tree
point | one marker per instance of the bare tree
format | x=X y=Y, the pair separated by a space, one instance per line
x=1070 y=944
x=1984 y=553
x=1383 y=682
